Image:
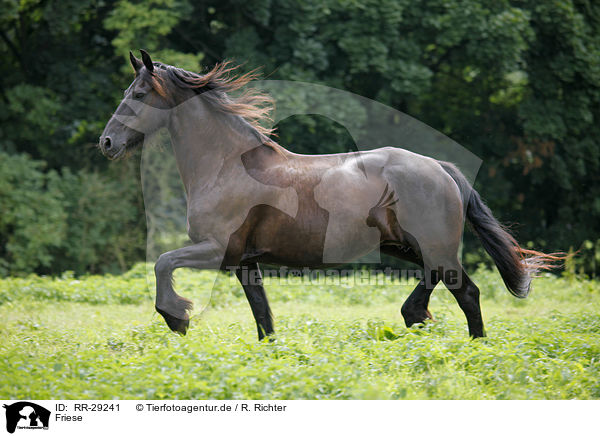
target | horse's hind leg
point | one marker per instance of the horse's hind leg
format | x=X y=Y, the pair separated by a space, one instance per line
x=255 y=292
x=467 y=295
x=414 y=310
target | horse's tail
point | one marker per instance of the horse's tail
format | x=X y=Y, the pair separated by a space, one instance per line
x=516 y=265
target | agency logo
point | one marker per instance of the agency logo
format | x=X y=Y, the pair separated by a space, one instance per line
x=26 y=415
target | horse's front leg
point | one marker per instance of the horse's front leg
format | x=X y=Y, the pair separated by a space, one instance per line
x=255 y=292
x=174 y=308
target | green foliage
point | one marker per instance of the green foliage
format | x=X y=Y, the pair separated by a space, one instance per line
x=57 y=80
x=145 y=25
x=559 y=149
x=105 y=229
x=585 y=262
x=32 y=221
x=80 y=221
x=29 y=116
x=97 y=337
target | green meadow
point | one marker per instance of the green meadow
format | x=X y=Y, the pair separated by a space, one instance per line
x=98 y=337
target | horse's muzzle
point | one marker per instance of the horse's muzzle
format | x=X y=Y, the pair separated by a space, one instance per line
x=108 y=147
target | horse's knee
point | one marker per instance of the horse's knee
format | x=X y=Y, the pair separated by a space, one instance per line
x=164 y=265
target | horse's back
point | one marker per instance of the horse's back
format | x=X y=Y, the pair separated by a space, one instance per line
x=376 y=195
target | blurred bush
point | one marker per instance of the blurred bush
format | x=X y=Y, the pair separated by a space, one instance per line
x=33 y=221
x=82 y=221
x=585 y=261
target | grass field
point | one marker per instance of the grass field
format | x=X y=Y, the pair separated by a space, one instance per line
x=98 y=337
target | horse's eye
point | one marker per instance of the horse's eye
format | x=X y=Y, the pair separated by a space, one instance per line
x=139 y=95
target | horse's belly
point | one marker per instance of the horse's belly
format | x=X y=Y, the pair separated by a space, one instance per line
x=308 y=239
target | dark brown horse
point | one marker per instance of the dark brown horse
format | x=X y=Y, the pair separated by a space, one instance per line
x=251 y=201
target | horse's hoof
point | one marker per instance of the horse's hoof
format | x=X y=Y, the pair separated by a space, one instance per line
x=175 y=324
x=420 y=320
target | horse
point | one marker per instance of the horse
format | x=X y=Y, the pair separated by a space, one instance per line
x=251 y=201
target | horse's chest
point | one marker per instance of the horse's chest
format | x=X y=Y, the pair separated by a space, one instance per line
x=222 y=213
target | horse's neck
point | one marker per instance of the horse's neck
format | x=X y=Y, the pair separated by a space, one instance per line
x=203 y=141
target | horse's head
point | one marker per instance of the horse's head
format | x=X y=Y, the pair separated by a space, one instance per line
x=143 y=110
x=158 y=93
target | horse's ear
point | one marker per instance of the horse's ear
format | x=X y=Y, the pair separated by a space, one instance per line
x=147 y=61
x=135 y=62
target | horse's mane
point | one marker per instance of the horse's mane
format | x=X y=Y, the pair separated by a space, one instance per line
x=252 y=105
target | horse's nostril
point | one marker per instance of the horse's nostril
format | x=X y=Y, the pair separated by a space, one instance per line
x=107 y=143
